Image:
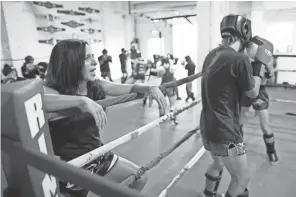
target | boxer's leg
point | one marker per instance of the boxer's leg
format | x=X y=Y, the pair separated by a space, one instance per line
x=172 y=101
x=188 y=91
x=109 y=76
x=261 y=106
x=213 y=176
x=191 y=93
x=214 y=171
x=177 y=93
x=237 y=166
x=268 y=136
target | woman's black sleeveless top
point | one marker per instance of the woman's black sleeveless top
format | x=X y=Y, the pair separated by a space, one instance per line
x=77 y=135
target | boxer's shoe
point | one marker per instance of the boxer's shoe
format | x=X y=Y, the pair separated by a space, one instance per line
x=179 y=98
x=273 y=158
x=187 y=99
x=144 y=103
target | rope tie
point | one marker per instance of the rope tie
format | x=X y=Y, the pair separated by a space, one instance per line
x=154 y=162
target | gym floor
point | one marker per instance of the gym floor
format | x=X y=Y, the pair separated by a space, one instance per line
x=266 y=180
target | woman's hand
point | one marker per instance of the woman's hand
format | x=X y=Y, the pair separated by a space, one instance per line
x=95 y=110
x=155 y=94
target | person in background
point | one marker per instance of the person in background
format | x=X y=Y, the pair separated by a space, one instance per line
x=150 y=65
x=166 y=72
x=134 y=54
x=29 y=70
x=190 y=67
x=42 y=68
x=10 y=75
x=175 y=63
x=104 y=61
x=123 y=61
x=139 y=70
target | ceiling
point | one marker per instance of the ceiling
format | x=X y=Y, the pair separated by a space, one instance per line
x=163 y=9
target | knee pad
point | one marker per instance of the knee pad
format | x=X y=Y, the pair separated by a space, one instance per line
x=245 y=194
x=214 y=179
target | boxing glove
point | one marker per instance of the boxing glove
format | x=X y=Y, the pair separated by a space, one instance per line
x=258 y=69
x=260 y=50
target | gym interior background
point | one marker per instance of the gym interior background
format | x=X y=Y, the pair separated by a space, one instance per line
x=177 y=27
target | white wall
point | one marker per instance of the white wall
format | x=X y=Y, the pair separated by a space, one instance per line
x=276 y=21
x=144 y=31
x=184 y=38
x=21 y=23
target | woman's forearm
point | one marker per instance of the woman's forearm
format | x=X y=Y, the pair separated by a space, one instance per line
x=54 y=102
x=113 y=89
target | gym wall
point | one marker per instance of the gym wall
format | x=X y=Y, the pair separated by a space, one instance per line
x=22 y=19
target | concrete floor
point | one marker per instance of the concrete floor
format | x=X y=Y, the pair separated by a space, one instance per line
x=266 y=180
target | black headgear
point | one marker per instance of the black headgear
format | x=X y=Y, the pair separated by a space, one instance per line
x=28 y=59
x=236 y=25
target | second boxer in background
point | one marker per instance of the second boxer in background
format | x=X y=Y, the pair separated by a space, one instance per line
x=260 y=51
x=104 y=61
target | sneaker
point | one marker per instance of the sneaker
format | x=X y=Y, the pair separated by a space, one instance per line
x=178 y=98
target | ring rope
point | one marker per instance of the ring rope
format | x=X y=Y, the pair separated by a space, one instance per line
x=281 y=70
x=140 y=172
x=92 y=155
x=174 y=84
x=64 y=171
x=188 y=166
x=283 y=101
x=281 y=85
x=120 y=99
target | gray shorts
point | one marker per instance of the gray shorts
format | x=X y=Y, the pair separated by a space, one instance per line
x=223 y=149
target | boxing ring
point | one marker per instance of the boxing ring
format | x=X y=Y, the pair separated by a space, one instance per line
x=31 y=169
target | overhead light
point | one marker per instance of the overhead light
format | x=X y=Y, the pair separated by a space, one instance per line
x=177 y=13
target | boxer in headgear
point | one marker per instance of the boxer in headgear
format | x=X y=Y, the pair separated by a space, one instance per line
x=260 y=51
x=226 y=75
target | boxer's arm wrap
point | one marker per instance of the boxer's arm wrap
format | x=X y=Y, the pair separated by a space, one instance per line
x=258 y=69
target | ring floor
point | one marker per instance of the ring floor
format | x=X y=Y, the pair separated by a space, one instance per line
x=266 y=180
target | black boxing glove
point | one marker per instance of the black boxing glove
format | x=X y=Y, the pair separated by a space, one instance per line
x=258 y=69
x=268 y=75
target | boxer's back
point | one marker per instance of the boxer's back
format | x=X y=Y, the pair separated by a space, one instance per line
x=221 y=94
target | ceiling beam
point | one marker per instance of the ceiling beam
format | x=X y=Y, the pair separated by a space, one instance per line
x=172 y=17
x=161 y=5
